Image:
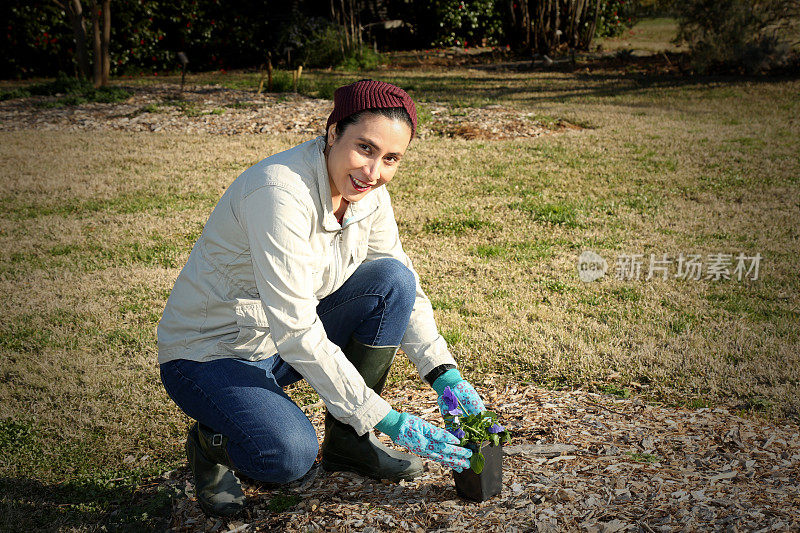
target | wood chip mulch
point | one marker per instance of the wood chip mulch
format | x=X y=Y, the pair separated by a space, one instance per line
x=578 y=462
x=212 y=109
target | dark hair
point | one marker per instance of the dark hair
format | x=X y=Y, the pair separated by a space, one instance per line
x=392 y=113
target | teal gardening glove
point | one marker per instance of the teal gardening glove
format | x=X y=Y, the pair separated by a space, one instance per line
x=425 y=439
x=467 y=397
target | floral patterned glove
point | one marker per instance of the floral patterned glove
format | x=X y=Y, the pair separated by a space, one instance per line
x=462 y=398
x=426 y=440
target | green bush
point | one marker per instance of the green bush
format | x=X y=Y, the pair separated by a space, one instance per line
x=615 y=17
x=317 y=43
x=745 y=35
x=324 y=88
x=108 y=95
x=14 y=93
x=281 y=81
x=61 y=85
x=74 y=91
x=73 y=99
x=468 y=22
x=365 y=59
x=146 y=35
x=314 y=42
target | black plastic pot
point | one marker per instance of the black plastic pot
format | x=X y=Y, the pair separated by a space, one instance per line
x=480 y=487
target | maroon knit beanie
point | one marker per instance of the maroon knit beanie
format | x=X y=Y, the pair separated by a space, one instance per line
x=370 y=94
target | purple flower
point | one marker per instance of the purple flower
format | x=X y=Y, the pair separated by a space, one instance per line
x=496 y=428
x=457 y=432
x=456 y=412
x=450 y=400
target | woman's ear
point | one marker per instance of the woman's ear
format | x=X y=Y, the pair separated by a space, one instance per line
x=331 y=134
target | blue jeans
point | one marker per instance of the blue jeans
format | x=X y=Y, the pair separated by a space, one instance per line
x=269 y=437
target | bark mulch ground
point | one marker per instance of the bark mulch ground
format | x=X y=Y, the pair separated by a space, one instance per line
x=579 y=461
x=212 y=109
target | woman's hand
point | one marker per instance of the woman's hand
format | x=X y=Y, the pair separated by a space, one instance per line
x=425 y=439
x=460 y=397
x=456 y=396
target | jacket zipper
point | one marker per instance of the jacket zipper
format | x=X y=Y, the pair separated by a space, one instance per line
x=336 y=251
x=335 y=276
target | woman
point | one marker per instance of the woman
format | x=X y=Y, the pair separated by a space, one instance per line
x=299 y=274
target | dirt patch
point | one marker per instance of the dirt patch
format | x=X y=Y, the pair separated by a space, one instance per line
x=218 y=110
x=492 y=122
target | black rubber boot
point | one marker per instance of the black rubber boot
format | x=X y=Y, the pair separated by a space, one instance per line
x=218 y=490
x=344 y=449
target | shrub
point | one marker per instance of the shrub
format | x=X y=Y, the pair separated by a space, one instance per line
x=282 y=81
x=14 y=93
x=73 y=99
x=324 y=88
x=615 y=17
x=314 y=42
x=61 y=85
x=146 y=35
x=364 y=59
x=745 y=35
x=108 y=95
x=468 y=22
x=74 y=91
x=317 y=42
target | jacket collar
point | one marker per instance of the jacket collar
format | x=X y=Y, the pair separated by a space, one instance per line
x=355 y=211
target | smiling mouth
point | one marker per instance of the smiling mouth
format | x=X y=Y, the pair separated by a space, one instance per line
x=360 y=186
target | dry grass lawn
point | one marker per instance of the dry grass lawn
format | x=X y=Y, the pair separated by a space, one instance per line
x=96 y=226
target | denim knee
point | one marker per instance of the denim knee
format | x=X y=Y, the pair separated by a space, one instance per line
x=399 y=280
x=289 y=458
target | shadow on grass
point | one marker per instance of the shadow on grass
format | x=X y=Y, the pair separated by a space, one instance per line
x=605 y=78
x=29 y=505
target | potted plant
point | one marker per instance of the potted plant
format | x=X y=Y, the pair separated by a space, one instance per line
x=484 y=436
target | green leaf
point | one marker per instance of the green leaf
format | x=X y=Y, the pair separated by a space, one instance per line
x=476 y=462
x=495 y=439
x=471 y=419
x=489 y=414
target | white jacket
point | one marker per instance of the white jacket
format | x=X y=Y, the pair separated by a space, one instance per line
x=271 y=249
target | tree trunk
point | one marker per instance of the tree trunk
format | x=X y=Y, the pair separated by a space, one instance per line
x=554 y=23
x=588 y=35
x=556 y=28
x=526 y=24
x=335 y=18
x=544 y=31
x=577 y=21
x=74 y=11
x=96 y=42
x=104 y=44
x=515 y=26
x=348 y=18
x=354 y=26
x=344 y=27
x=572 y=15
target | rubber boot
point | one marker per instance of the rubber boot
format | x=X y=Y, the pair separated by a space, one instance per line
x=218 y=490
x=344 y=449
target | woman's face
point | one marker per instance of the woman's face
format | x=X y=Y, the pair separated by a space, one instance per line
x=366 y=155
